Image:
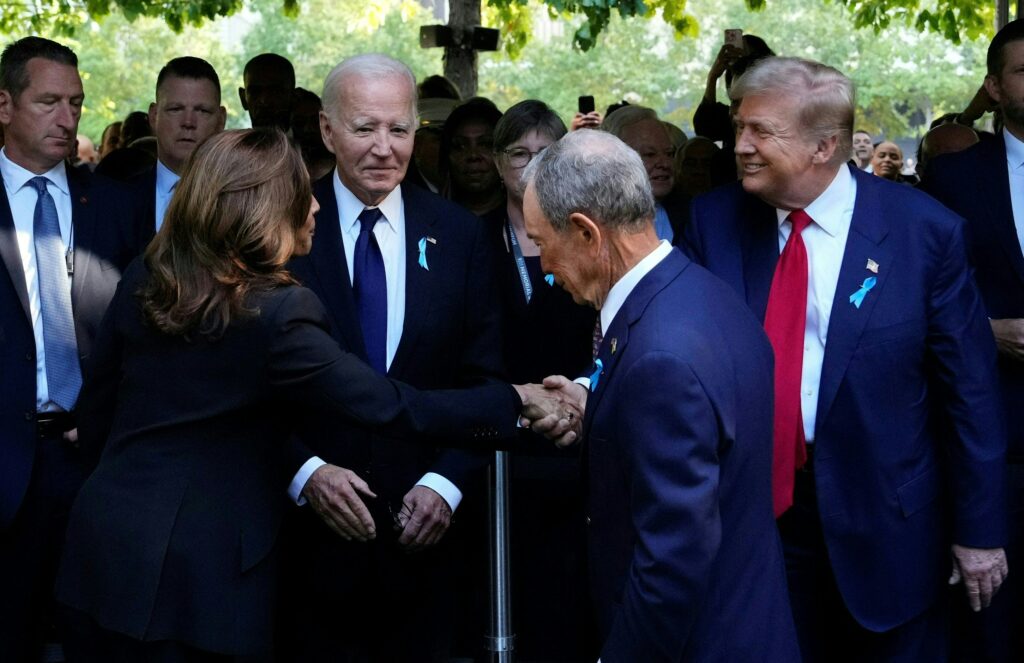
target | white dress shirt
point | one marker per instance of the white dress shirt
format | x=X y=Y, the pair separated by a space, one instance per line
x=22 y=197
x=166 y=180
x=1015 y=168
x=390 y=234
x=825 y=241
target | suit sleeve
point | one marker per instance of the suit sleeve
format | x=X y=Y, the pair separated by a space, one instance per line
x=961 y=344
x=669 y=429
x=306 y=367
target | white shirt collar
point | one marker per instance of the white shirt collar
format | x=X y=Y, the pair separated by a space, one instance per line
x=15 y=177
x=1014 y=150
x=827 y=209
x=165 y=178
x=349 y=207
x=624 y=286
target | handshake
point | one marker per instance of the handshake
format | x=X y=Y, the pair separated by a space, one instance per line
x=554 y=409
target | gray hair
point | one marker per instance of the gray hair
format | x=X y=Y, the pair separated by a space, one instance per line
x=626 y=116
x=827 y=97
x=596 y=174
x=367 y=65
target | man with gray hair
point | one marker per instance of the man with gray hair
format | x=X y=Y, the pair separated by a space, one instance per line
x=642 y=130
x=684 y=559
x=880 y=339
x=406 y=277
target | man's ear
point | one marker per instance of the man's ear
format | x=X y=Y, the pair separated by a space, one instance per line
x=222 y=118
x=241 y=98
x=6 y=107
x=326 y=131
x=151 y=115
x=585 y=232
x=825 y=150
x=994 y=89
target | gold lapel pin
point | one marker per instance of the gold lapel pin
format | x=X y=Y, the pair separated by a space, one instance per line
x=872 y=266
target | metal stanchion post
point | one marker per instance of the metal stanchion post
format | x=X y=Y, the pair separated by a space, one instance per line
x=500 y=641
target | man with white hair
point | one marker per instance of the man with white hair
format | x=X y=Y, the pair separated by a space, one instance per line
x=407 y=280
x=889 y=441
x=684 y=559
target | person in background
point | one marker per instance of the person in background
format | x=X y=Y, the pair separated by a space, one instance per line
x=268 y=86
x=305 y=129
x=110 y=139
x=887 y=161
x=863 y=149
x=467 y=156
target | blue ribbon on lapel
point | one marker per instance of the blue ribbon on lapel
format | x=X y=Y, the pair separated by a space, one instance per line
x=549 y=279
x=596 y=375
x=423 y=253
x=857 y=298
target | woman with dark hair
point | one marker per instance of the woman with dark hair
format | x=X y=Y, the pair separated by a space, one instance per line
x=209 y=354
x=466 y=157
x=546 y=333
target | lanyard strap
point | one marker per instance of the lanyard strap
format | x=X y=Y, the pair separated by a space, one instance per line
x=524 y=274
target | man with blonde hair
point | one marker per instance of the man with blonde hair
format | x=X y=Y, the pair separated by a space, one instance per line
x=889 y=441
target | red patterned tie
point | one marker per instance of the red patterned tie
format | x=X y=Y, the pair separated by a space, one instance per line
x=784 y=323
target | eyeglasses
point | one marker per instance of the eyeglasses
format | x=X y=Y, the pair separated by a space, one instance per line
x=518 y=157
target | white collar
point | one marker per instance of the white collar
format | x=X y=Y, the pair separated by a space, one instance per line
x=15 y=177
x=827 y=209
x=1014 y=150
x=624 y=286
x=350 y=207
x=166 y=178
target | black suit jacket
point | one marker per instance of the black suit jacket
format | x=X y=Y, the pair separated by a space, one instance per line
x=171 y=537
x=105 y=240
x=144 y=188
x=975 y=184
x=451 y=334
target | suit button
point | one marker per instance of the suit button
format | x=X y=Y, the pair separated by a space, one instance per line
x=587 y=519
x=29 y=415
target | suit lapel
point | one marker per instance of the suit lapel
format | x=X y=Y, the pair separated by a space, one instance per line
x=868 y=230
x=10 y=254
x=995 y=178
x=616 y=340
x=420 y=283
x=760 y=253
x=331 y=268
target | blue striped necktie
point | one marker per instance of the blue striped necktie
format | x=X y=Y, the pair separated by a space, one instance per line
x=63 y=373
x=371 y=290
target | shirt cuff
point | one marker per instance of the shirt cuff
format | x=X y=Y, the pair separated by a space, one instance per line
x=301 y=477
x=584 y=382
x=443 y=487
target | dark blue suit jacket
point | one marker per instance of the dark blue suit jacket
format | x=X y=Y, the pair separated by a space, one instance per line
x=685 y=559
x=144 y=188
x=451 y=334
x=975 y=184
x=894 y=491
x=105 y=237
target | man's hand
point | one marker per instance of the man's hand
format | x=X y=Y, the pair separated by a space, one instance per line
x=576 y=396
x=553 y=412
x=1009 y=333
x=333 y=492
x=423 y=519
x=982 y=572
x=591 y=120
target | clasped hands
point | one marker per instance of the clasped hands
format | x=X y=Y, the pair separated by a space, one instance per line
x=554 y=409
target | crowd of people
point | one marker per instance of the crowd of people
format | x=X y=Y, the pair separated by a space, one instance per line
x=761 y=385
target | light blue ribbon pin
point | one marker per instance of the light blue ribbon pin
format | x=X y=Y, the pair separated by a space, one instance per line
x=550 y=279
x=596 y=375
x=423 y=253
x=857 y=298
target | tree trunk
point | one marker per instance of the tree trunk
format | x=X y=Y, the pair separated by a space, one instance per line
x=460 y=59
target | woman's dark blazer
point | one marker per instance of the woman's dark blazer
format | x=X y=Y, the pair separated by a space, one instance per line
x=172 y=537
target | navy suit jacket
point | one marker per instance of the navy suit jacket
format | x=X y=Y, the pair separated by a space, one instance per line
x=451 y=334
x=685 y=559
x=105 y=240
x=918 y=356
x=144 y=188
x=975 y=184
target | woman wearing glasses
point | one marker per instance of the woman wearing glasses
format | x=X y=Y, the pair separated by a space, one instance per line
x=546 y=333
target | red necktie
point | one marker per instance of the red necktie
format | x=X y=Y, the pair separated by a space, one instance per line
x=784 y=323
